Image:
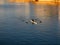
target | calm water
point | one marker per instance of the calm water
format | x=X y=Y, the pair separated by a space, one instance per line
x=15 y=32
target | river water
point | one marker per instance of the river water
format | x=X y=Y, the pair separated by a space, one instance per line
x=13 y=31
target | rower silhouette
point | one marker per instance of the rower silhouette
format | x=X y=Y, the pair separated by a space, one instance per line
x=36 y=0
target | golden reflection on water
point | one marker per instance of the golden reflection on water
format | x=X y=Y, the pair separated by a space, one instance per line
x=48 y=2
x=1 y=2
x=59 y=12
x=45 y=10
x=37 y=10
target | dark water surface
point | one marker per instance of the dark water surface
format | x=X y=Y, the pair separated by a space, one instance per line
x=15 y=32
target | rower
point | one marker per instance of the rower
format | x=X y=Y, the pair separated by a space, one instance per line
x=33 y=21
